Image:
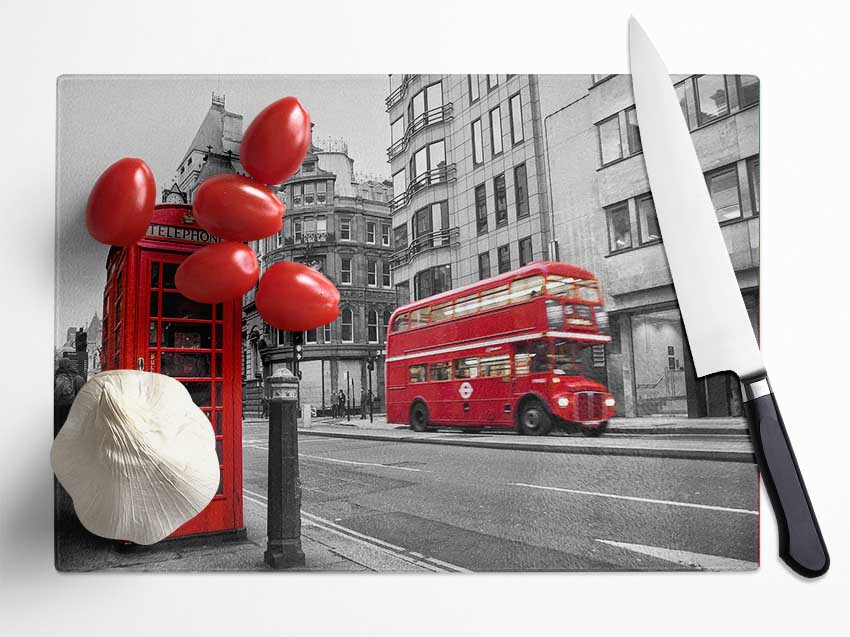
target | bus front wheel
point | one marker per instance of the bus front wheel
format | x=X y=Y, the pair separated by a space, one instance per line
x=419 y=417
x=534 y=420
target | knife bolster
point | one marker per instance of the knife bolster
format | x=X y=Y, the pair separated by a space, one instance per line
x=755 y=388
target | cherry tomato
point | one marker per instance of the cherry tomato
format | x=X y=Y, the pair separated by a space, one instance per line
x=237 y=208
x=275 y=143
x=218 y=272
x=121 y=203
x=295 y=297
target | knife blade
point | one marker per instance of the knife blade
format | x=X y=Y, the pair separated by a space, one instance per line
x=717 y=326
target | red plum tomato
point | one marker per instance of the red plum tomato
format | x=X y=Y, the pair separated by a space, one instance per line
x=218 y=272
x=295 y=297
x=275 y=143
x=237 y=208
x=121 y=203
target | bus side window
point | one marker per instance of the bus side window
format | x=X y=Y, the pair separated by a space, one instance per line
x=419 y=317
x=441 y=371
x=441 y=312
x=466 y=305
x=417 y=374
x=497 y=297
x=496 y=365
x=466 y=368
x=526 y=288
x=400 y=323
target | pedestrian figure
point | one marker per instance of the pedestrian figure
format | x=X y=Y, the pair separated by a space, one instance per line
x=341 y=403
x=66 y=385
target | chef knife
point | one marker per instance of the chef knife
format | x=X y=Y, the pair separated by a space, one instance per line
x=716 y=322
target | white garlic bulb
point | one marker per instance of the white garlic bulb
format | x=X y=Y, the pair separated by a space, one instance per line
x=136 y=455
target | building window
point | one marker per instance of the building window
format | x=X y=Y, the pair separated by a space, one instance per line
x=309 y=166
x=492 y=82
x=501 y=198
x=433 y=281
x=321 y=228
x=345 y=271
x=371 y=229
x=755 y=183
x=633 y=132
x=385 y=322
x=297 y=230
x=474 y=88
x=477 y=143
x=526 y=251
x=326 y=333
x=517 y=131
x=280 y=238
x=322 y=191
x=647 y=220
x=385 y=235
x=386 y=280
x=481 y=208
x=345 y=229
x=399 y=183
x=426 y=159
x=521 y=191
x=346 y=325
x=712 y=98
x=423 y=226
x=748 y=90
x=311 y=336
x=400 y=236
x=682 y=95
x=371 y=273
x=397 y=130
x=503 y=255
x=496 y=131
x=619 y=227
x=483 y=265
x=309 y=193
x=725 y=194
x=297 y=190
x=372 y=326
x=610 y=146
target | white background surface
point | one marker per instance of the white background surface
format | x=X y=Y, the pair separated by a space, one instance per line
x=799 y=50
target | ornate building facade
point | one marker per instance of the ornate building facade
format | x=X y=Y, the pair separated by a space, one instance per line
x=336 y=221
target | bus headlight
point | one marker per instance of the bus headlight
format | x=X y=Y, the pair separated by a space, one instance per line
x=563 y=401
x=610 y=402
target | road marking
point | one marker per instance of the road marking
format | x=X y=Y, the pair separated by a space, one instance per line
x=339 y=461
x=690 y=505
x=431 y=563
x=699 y=561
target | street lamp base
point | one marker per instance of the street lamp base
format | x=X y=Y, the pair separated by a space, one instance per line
x=285 y=554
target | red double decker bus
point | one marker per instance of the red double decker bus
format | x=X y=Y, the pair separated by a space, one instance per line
x=508 y=351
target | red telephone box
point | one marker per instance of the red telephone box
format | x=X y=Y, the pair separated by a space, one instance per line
x=148 y=325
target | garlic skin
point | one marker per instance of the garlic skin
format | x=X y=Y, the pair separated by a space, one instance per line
x=136 y=455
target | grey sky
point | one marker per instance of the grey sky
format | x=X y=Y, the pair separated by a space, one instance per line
x=104 y=118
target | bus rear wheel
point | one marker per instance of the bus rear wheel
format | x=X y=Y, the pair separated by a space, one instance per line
x=419 y=416
x=534 y=420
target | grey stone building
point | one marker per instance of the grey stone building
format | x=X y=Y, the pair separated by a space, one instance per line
x=468 y=171
x=604 y=220
x=338 y=222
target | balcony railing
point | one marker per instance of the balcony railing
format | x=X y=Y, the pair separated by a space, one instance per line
x=306 y=237
x=394 y=97
x=423 y=243
x=433 y=116
x=438 y=175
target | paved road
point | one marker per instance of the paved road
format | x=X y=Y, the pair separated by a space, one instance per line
x=495 y=510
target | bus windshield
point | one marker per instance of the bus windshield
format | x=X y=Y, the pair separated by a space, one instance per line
x=567 y=358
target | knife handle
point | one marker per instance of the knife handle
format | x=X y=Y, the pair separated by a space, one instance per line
x=801 y=544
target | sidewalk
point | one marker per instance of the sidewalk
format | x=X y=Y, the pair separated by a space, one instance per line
x=719 y=439
x=327 y=547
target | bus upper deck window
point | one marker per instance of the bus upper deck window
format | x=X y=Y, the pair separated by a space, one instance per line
x=527 y=288
x=400 y=323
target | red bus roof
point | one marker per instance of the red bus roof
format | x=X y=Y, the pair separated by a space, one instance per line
x=535 y=267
